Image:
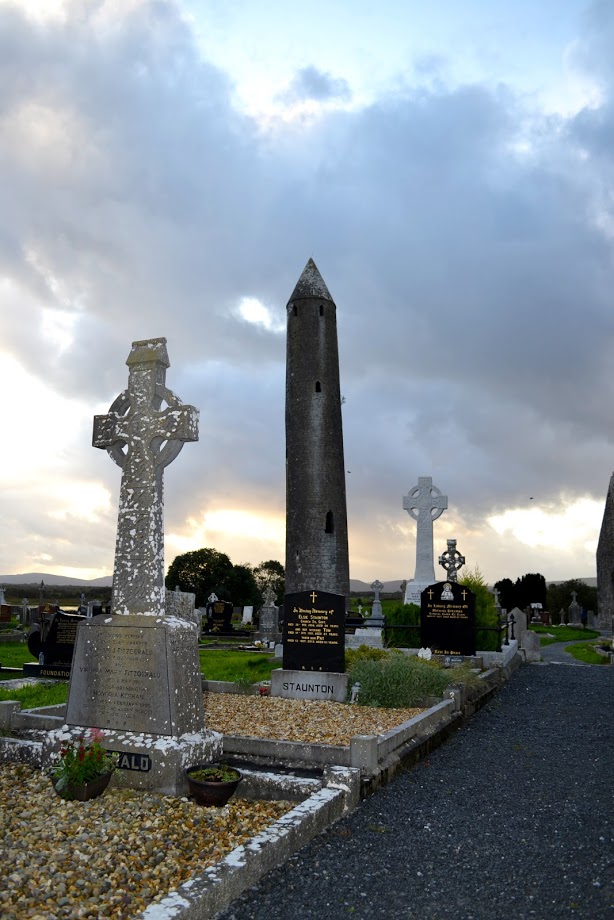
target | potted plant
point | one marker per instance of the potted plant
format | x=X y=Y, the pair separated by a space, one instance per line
x=84 y=769
x=213 y=783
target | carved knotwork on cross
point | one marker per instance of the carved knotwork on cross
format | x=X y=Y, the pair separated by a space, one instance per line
x=452 y=561
x=143 y=438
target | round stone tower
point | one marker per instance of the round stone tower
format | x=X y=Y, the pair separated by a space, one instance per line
x=316 y=512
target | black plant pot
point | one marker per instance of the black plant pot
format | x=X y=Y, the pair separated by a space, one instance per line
x=210 y=792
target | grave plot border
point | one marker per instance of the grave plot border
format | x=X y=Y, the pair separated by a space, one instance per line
x=325 y=799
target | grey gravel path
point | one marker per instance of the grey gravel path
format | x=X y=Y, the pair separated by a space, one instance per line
x=512 y=818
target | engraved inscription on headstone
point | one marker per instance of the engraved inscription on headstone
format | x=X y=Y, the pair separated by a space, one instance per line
x=314 y=631
x=447 y=619
x=120 y=671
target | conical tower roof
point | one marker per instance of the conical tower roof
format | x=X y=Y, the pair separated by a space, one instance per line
x=310 y=284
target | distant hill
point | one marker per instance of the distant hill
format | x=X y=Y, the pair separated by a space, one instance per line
x=35 y=578
x=389 y=586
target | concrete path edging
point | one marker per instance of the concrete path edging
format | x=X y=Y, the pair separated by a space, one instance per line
x=206 y=895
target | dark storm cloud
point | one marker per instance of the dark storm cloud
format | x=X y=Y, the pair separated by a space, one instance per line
x=466 y=240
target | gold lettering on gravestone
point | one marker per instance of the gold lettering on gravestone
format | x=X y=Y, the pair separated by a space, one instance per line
x=448 y=611
x=313 y=627
x=66 y=632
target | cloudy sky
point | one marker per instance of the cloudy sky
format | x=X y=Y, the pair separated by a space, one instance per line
x=167 y=167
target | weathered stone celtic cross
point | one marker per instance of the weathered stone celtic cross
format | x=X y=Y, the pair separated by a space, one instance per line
x=143 y=438
x=425 y=503
x=452 y=560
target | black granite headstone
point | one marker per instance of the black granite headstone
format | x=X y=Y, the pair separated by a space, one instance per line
x=219 y=616
x=314 y=631
x=447 y=619
x=53 y=642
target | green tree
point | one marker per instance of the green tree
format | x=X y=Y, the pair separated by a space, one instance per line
x=202 y=572
x=485 y=611
x=531 y=589
x=244 y=587
x=559 y=596
x=507 y=593
x=271 y=574
x=403 y=615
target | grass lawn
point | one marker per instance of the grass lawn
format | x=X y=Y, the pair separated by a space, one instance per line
x=14 y=655
x=564 y=633
x=214 y=665
x=35 y=695
x=586 y=653
x=243 y=666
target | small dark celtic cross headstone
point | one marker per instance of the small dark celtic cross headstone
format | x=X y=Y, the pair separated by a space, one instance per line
x=143 y=438
x=452 y=561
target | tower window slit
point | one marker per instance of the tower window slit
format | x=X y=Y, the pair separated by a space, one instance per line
x=318 y=387
x=295 y=310
x=329 y=527
x=321 y=309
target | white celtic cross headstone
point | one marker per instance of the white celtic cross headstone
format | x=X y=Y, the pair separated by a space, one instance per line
x=142 y=438
x=424 y=503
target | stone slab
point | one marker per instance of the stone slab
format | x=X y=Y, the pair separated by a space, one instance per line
x=309 y=685
x=531 y=646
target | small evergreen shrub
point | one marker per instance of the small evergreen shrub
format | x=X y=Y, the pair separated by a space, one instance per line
x=363 y=653
x=403 y=615
x=398 y=681
x=485 y=611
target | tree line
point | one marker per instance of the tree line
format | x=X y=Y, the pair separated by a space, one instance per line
x=206 y=571
x=532 y=589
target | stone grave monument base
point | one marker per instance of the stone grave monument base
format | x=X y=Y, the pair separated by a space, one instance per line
x=137 y=678
x=309 y=685
x=153 y=763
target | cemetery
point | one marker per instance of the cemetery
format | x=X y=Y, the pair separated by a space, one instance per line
x=337 y=715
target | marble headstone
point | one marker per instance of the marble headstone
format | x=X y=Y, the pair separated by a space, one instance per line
x=424 y=503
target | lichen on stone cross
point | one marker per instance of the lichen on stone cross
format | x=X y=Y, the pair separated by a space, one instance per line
x=425 y=503
x=143 y=438
x=452 y=561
